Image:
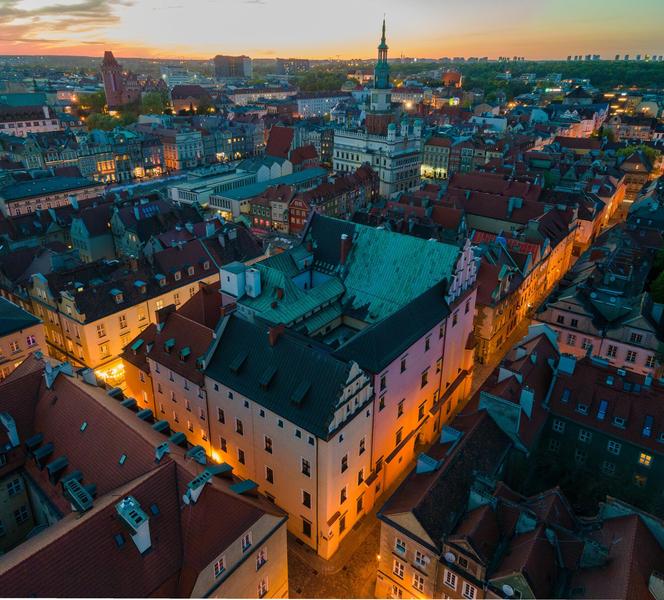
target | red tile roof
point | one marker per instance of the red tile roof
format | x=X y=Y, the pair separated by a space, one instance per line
x=280 y=141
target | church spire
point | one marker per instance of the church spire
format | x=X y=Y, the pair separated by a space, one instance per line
x=382 y=69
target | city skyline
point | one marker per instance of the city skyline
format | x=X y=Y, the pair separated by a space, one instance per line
x=263 y=28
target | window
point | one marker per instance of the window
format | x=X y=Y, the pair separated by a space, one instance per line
x=306 y=528
x=571 y=339
x=298 y=434
x=554 y=445
x=240 y=456
x=427 y=344
x=587 y=343
x=383 y=383
x=601 y=410
x=560 y=319
x=342 y=524
x=645 y=459
x=418 y=582
x=640 y=480
x=650 y=361
x=246 y=542
x=450 y=579
x=611 y=351
x=608 y=468
x=381 y=403
x=630 y=357
x=262 y=587
x=261 y=558
x=343 y=495
x=580 y=456
x=32 y=341
x=268 y=444
x=425 y=378
x=455 y=318
x=306 y=499
x=400 y=408
x=306 y=467
x=636 y=338
x=398 y=437
x=420 y=559
x=558 y=426
x=222 y=444
x=574 y=323
x=123 y=321
x=614 y=447
x=269 y=475
x=359 y=504
x=400 y=546
x=220 y=415
x=585 y=436
x=420 y=412
x=469 y=591
x=280 y=423
x=398 y=568
x=21 y=514
x=238 y=426
x=14 y=487
x=403 y=364
x=396 y=592
x=219 y=566
x=462 y=562
x=101 y=330
x=582 y=408
x=360 y=476
x=363 y=444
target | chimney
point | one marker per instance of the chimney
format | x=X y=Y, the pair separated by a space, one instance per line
x=134 y=518
x=280 y=293
x=73 y=201
x=275 y=332
x=346 y=244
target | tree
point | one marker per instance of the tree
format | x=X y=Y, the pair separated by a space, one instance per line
x=101 y=121
x=652 y=154
x=657 y=288
x=95 y=102
x=153 y=103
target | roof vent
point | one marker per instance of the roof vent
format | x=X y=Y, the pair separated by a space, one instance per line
x=267 y=376
x=300 y=392
x=195 y=487
x=145 y=414
x=55 y=468
x=179 y=439
x=79 y=496
x=129 y=403
x=162 y=427
x=138 y=523
x=42 y=453
x=236 y=364
x=161 y=450
x=33 y=442
x=198 y=454
x=246 y=487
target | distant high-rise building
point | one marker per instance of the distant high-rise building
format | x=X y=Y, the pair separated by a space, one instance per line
x=291 y=66
x=232 y=67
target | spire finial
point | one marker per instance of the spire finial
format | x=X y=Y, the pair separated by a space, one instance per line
x=383 y=37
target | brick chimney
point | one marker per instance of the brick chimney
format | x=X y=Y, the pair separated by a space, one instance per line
x=346 y=245
x=275 y=332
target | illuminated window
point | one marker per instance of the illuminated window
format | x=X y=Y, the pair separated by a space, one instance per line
x=645 y=459
x=219 y=566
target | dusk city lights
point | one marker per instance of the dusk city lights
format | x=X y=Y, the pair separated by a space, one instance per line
x=351 y=300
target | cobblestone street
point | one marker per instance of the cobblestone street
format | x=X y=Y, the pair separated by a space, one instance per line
x=356 y=579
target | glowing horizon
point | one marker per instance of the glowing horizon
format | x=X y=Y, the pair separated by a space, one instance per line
x=199 y=29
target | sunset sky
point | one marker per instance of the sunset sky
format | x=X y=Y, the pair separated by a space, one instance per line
x=344 y=28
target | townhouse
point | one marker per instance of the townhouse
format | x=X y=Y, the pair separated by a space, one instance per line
x=135 y=510
x=322 y=362
x=20 y=334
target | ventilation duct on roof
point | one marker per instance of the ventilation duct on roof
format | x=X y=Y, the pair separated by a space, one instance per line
x=33 y=442
x=246 y=487
x=198 y=454
x=78 y=495
x=138 y=523
x=179 y=439
x=42 y=453
x=195 y=487
x=161 y=450
x=145 y=414
x=129 y=403
x=55 y=468
x=162 y=427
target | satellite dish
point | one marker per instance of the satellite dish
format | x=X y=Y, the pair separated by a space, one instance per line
x=449 y=557
x=508 y=590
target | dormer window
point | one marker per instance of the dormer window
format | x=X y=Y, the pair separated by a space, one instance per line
x=619 y=421
x=582 y=408
x=178 y=275
x=190 y=271
x=206 y=265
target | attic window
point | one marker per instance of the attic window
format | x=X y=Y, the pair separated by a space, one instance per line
x=190 y=271
x=169 y=344
x=184 y=353
x=206 y=265
x=117 y=295
x=178 y=275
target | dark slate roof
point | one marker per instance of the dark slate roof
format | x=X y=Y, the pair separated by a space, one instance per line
x=45 y=185
x=244 y=358
x=14 y=318
x=376 y=346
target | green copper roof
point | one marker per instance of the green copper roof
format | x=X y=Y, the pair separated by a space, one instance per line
x=14 y=318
